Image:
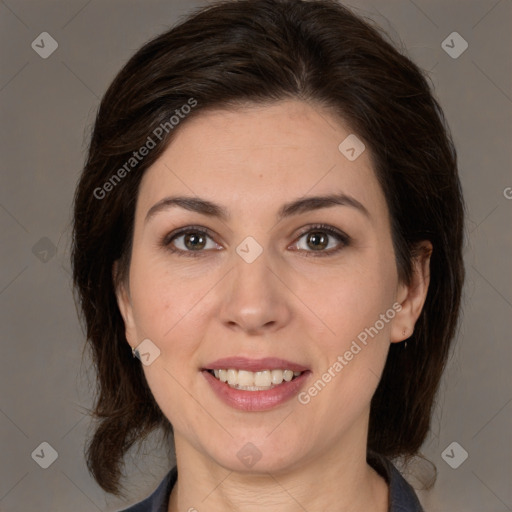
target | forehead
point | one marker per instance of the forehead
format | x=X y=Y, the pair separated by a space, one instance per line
x=261 y=156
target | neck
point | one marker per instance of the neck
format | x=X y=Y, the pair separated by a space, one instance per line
x=334 y=480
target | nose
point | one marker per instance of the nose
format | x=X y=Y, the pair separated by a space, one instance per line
x=255 y=298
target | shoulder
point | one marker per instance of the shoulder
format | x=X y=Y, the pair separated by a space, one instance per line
x=158 y=501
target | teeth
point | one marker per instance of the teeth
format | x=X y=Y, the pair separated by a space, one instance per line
x=245 y=378
x=254 y=381
x=263 y=379
x=232 y=377
x=287 y=375
x=277 y=376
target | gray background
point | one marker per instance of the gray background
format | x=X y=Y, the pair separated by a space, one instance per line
x=47 y=108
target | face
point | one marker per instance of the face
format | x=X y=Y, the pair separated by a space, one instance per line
x=298 y=286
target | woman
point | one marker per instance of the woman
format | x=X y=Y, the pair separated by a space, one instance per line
x=268 y=257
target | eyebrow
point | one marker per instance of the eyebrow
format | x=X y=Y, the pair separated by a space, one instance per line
x=298 y=206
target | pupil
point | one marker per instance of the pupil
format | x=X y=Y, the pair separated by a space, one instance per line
x=318 y=239
x=192 y=239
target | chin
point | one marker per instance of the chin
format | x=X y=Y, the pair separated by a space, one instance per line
x=254 y=457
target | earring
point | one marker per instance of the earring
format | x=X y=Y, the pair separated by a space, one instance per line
x=403 y=334
x=135 y=353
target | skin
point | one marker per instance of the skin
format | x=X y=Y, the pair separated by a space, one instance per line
x=284 y=304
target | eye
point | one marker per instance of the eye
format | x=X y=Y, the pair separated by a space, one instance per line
x=317 y=240
x=189 y=241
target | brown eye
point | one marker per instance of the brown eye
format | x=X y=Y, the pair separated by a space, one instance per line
x=194 y=241
x=319 y=238
x=189 y=241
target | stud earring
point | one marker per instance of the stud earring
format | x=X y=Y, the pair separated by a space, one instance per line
x=403 y=334
x=135 y=353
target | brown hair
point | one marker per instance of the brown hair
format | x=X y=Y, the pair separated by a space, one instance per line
x=260 y=51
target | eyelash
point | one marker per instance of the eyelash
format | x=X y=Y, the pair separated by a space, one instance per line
x=342 y=237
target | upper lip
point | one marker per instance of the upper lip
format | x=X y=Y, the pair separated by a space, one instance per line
x=254 y=365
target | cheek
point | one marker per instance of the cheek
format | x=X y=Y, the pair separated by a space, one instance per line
x=160 y=297
x=353 y=298
x=165 y=313
x=356 y=345
x=167 y=310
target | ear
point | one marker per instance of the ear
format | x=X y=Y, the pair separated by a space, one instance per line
x=124 y=302
x=411 y=297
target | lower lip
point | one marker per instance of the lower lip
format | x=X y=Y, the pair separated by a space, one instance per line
x=256 y=400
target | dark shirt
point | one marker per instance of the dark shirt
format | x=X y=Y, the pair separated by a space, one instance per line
x=402 y=497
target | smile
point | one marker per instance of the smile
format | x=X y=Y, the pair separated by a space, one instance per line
x=254 y=381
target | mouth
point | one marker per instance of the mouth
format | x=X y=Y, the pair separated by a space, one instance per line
x=260 y=389
x=253 y=381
